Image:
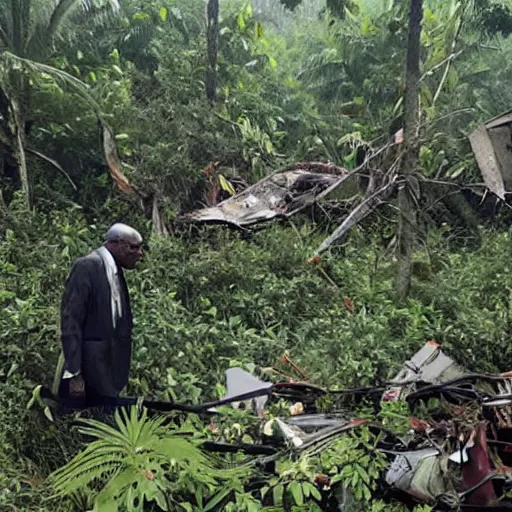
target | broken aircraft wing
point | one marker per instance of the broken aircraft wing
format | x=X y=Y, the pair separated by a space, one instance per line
x=281 y=194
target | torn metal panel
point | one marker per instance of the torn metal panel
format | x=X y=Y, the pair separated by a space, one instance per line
x=281 y=194
x=418 y=473
x=429 y=365
x=240 y=382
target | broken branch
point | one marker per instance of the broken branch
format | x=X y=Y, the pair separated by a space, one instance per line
x=358 y=214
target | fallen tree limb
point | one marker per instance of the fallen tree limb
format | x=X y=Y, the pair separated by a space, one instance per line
x=359 y=213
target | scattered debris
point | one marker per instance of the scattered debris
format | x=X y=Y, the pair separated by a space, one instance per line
x=457 y=457
x=457 y=454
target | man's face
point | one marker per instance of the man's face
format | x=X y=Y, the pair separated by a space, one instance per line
x=128 y=253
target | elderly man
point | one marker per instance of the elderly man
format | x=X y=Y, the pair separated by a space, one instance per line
x=96 y=321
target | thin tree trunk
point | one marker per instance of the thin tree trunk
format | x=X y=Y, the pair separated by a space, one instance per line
x=21 y=157
x=407 y=221
x=212 y=35
x=460 y=24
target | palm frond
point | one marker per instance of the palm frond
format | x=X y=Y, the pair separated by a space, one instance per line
x=50 y=20
x=54 y=163
x=37 y=69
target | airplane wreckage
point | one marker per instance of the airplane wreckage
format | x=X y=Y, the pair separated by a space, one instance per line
x=458 y=456
x=292 y=189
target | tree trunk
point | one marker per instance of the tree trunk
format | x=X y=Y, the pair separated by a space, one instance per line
x=212 y=39
x=408 y=189
x=21 y=157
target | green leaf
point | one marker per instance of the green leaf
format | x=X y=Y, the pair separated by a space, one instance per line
x=212 y=311
x=212 y=504
x=163 y=14
x=226 y=185
x=355 y=479
x=272 y=62
x=140 y=16
x=36 y=397
x=48 y=413
x=117 y=69
x=277 y=494
x=316 y=493
x=253 y=506
x=296 y=491
x=363 y=474
x=241 y=21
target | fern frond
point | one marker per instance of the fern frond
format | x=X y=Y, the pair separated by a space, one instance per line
x=100 y=430
x=80 y=464
x=137 y=461
x=72 y=483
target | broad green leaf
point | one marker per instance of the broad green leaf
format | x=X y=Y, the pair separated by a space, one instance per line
x=363 y=474
x=163 y=14
x=253 y=506
x=315 y=493
x=296 y=491
x=277 y=494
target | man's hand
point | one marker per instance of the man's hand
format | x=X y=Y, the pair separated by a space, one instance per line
x=77 y=386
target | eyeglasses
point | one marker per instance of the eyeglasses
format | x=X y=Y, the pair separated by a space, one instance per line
x=133 y=247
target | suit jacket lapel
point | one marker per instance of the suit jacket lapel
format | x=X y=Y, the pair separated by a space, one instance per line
x=105 y=291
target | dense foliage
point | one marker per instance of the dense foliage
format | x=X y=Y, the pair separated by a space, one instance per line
x=301 y=81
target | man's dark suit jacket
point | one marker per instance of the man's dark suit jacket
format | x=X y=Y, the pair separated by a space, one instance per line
x=90 y=343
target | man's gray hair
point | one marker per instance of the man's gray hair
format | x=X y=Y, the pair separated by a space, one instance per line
x=121 y=231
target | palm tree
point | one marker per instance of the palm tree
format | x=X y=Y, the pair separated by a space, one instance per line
x=28 y=30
